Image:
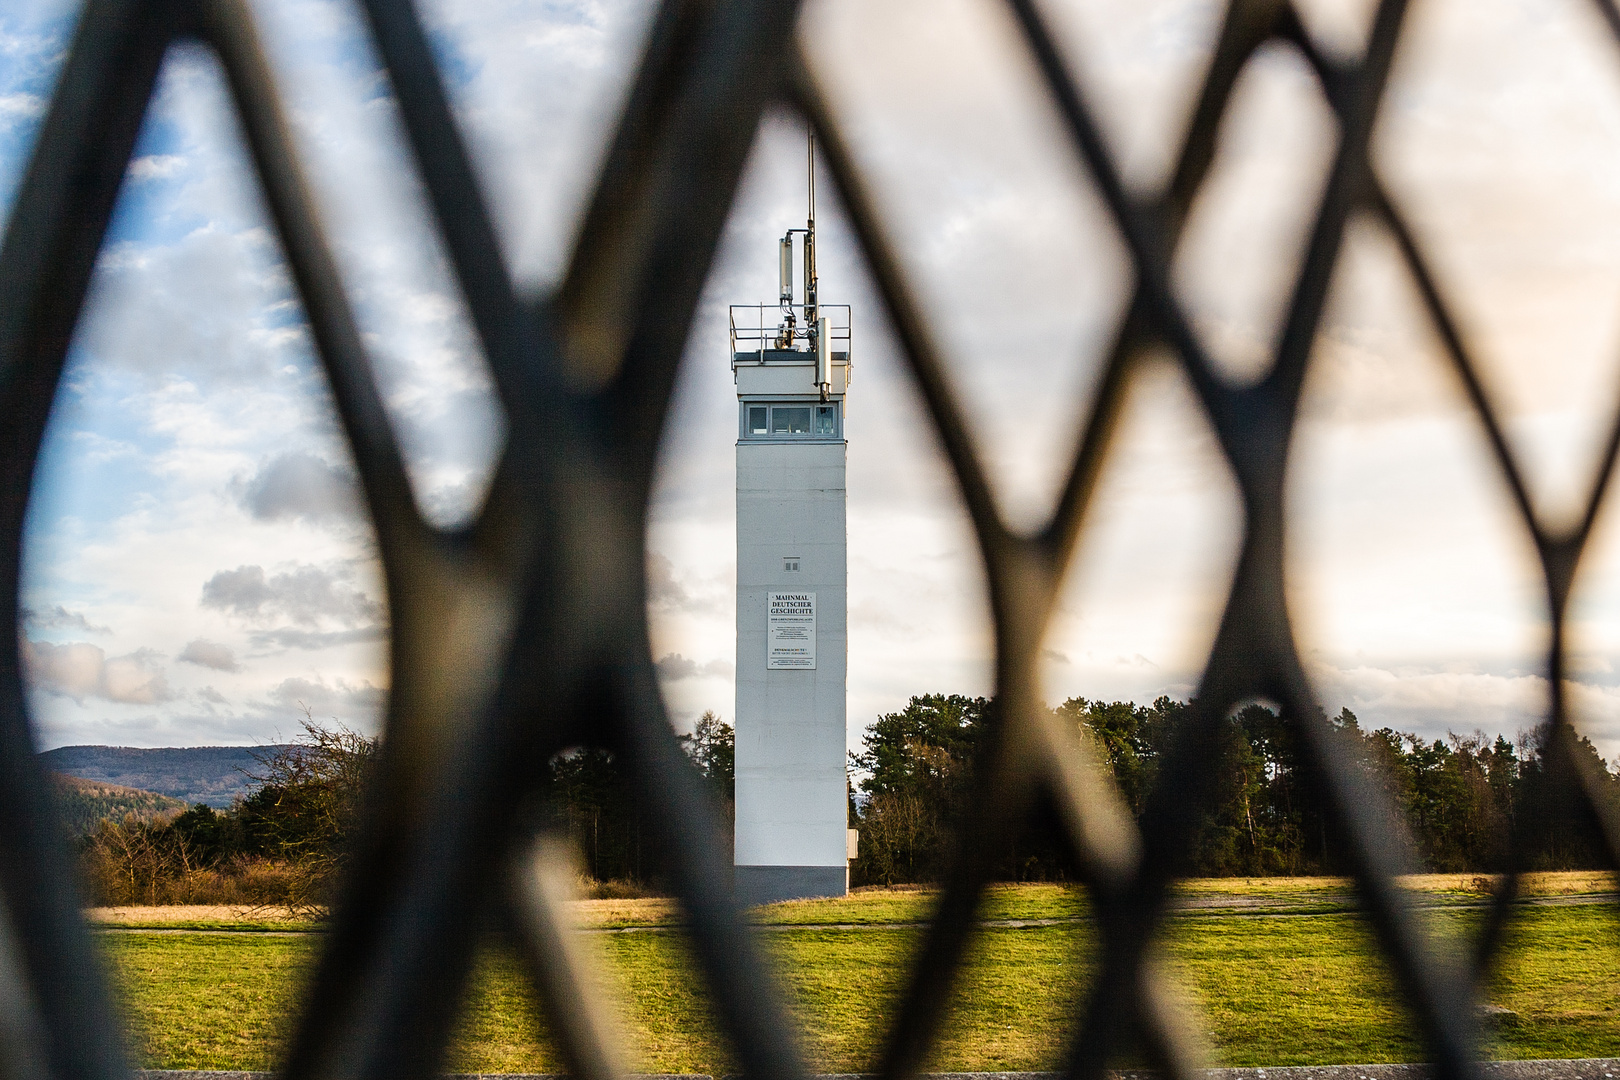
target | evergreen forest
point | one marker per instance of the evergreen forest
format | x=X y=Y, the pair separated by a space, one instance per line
x=1470 y=803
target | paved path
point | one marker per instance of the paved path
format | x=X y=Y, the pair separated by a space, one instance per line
x=1574 y=1069
x=1240 y=907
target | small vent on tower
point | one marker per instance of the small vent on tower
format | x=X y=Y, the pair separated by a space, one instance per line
x=790 y=564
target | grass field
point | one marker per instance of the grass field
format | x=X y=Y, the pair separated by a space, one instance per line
x=1280 y=971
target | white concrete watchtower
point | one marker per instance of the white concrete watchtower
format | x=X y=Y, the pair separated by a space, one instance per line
x=791 y=364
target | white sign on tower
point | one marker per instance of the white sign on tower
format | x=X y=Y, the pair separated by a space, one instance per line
x=790 y=621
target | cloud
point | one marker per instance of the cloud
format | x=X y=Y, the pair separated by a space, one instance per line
x=21 y=105
x=423 y=350
x=539 y=160
x=340 y=696
x=306 y=594
x=663 y=590
x=668 y=592
x=243 y=591
x=453 y=502
x=288 y=637
x=1433 y=701
x=674 y=666
x=209 y=654
x=60 y=618
x=80 y=670
x=73 y=670
x=300 y=485
x=212 y=306
x=156 y=166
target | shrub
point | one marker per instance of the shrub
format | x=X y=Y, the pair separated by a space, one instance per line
x=284 y=844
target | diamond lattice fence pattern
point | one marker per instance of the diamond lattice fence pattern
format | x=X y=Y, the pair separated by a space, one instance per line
x=525 y=632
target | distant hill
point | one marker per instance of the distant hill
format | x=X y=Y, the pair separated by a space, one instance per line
x=214 y=775
x=86 y=803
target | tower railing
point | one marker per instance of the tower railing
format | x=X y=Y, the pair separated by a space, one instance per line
x=756 y=327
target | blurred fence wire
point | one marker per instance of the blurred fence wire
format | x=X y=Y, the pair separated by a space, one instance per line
x=525 y=632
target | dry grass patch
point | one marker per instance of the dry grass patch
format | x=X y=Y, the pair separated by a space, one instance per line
x=178 y=915
x=657 y=911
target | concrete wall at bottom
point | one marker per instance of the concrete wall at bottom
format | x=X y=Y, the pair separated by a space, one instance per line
x=768 y=884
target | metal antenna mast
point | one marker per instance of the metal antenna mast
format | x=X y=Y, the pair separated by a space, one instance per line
x=810 y=242
x=814 y=332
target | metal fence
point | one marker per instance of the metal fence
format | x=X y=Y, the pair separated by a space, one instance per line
x=525 y=632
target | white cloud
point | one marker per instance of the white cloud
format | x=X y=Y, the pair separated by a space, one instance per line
x=60 y=618
x=156 y=167
x=320 y=696
x=1434 y=701
x=79 y=670
x=21 y=105
x=673 y=667
x=297 y=484
x=537 y=89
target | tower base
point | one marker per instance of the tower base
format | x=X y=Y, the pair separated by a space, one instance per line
x=768 y=884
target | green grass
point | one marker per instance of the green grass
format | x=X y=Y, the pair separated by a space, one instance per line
x=208 y=1001
x=1268 y=989
x=1561 y=973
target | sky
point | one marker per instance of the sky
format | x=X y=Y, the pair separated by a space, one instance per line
x=198 y=570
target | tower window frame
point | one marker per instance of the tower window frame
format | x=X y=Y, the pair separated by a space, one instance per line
x=791 y=421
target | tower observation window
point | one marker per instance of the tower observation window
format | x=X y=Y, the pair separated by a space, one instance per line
x=790 y=420
x=762 y=420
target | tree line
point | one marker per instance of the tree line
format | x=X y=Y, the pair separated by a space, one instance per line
x=286 y=841
x=1470 y=803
